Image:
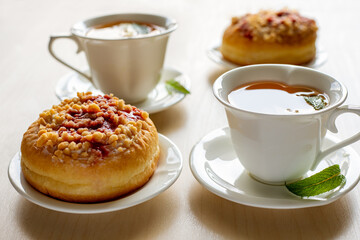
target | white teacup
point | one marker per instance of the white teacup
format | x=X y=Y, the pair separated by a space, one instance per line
x=278 y=148
x=127 y=67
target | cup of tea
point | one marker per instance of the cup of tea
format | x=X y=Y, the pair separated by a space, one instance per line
x=125 y=52
x=278 y=116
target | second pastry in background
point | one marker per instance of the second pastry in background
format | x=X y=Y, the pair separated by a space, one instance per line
x=270 y=37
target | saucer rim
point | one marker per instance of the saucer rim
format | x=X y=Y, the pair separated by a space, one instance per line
x=315 y=63
x=176 y=97
x=248 y=200
x=165 y=143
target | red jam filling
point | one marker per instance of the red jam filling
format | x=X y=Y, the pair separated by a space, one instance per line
x=102 y=121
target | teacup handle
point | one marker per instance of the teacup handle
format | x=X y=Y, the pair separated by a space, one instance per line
x=79 y=49
x=332 y=127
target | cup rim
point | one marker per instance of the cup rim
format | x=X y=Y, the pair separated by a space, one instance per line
x=171 y=26
x=219 y=80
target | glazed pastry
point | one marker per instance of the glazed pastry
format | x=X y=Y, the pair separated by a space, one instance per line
x=270 y=37
x=90 y=149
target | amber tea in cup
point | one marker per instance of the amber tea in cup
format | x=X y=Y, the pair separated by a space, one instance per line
x=277 y=98
x=276 y=134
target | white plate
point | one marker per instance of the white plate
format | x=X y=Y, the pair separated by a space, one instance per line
x=158 y=100
x=215 y=55
x=168 y=170
x=214 y=164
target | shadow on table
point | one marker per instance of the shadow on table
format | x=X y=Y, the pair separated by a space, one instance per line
x=215 y=74
x=234 y=221
x=145 y=220
x=171 y=119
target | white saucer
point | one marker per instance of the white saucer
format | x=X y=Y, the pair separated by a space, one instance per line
x=214 y=164
x=158 y=100
x=168 y=170
x=215 y=55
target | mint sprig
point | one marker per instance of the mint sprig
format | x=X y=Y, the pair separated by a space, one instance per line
x=142 y=29
x=324 y=181
x=173 y=85
x=317 y=102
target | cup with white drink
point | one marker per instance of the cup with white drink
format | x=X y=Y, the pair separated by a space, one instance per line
x=125 y=52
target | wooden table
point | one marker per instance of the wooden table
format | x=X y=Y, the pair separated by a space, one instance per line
x=186 y=210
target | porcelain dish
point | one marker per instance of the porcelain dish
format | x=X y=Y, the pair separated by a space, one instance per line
x=158 y=100
x=214 y=164
x=215 y=55
x=167 y=172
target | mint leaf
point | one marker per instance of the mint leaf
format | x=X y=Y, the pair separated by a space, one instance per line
x=142 y=29
x=324 y=181
x=173 y=85
x=318 y=102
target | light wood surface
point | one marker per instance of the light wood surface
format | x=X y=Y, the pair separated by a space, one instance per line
x=186 y=210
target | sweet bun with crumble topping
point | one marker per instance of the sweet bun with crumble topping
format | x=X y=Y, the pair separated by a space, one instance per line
x=90 y=149
x=270 y=37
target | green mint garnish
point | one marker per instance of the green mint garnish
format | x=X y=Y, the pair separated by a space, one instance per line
x=173 y=85
x=142 y=29
x=324 y=181
x=317 y=102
